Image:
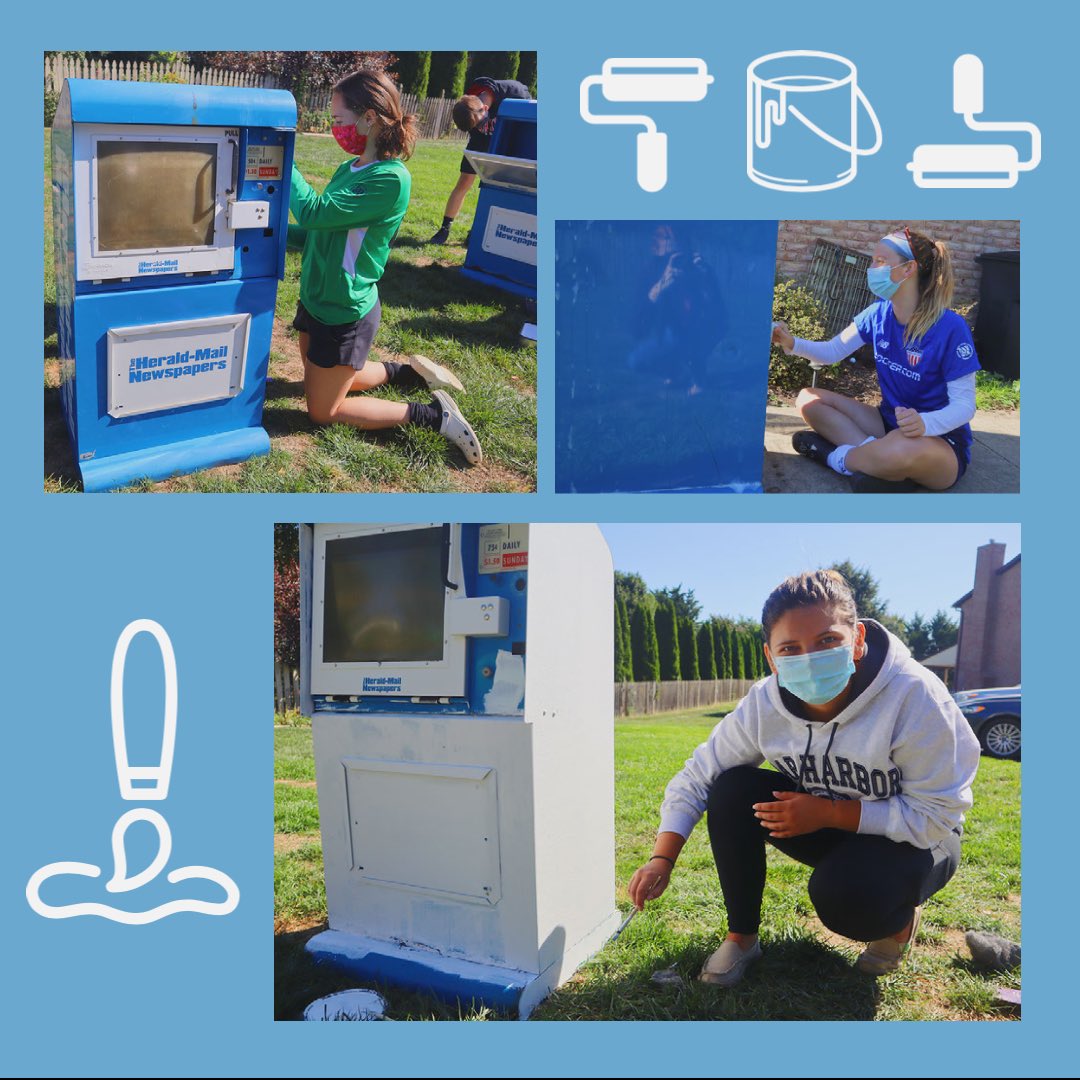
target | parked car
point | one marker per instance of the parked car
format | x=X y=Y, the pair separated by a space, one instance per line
x=994 y=716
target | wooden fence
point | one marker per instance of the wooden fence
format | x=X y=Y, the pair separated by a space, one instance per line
x=286 y=688
x=58 y=68
x=631 y=699
x=433 y=115
x=636 y=699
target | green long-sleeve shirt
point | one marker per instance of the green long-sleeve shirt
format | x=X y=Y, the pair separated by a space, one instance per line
x=345 y=234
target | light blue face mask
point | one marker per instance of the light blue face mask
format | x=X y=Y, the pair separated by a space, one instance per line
x=879 y=281
x=816 y=677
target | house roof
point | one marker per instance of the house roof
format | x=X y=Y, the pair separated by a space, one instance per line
x=944 y=659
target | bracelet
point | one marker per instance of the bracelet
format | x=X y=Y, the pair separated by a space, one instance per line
x=665 y=858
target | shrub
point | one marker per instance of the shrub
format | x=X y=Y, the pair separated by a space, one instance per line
x=802 y=311
x=287 y=614
x=52 y=99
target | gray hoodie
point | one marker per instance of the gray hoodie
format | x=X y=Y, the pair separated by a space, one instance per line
x=901 y=747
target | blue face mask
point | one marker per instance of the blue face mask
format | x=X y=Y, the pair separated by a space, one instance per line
x=879 y=281
x=816 y=677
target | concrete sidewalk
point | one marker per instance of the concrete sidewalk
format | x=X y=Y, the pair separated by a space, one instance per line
x=995 y=456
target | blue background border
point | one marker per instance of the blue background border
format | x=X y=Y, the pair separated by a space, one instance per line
x=194 y=995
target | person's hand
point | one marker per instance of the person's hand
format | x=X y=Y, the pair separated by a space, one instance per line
x=794 y=814
x=783 y=337
x=910 y=423
x=649 y=882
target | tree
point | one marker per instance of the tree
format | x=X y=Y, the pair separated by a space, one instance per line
x=688 y=654
x=706 y=652
x=749 y=657
x=286 y=543
x=720 y=648
x=414 y=72
x=868 y=601
x=919 y=638
x=495 y=65
x=287 y=613
x=738 y=656
x=865 y=587
x=624 y=667
x=300 y=71
x=667 y=638
x=686 y=604
x=527 y=71
x=944 y=630
x=632 y=588
x=448 y=74
x=643 y=645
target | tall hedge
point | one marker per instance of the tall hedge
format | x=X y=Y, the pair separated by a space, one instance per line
x=688 y=654
x=527 y=71
x=624 y=664
x=414 y=72
x=495 y=65
x=706 y=652
x=738 y=656
x=667 y=637
x=643 y=645
x=448 y=74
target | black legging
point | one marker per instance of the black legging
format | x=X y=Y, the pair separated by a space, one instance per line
x=863 y=887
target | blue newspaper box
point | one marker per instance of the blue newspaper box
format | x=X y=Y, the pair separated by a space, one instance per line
x=662 y=333
x=170 y=208
x=502 y=247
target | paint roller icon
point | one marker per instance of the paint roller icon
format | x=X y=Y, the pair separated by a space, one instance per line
x=654 y=81
x=994 y=165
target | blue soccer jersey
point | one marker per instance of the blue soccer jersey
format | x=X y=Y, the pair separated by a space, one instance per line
x=915 y=375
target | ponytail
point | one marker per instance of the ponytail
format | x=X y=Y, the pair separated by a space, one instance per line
x=397 y=136
x=936 y=284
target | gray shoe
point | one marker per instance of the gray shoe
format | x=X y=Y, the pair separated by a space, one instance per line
x=728 y=964
x=884 y=956
x=456 y=429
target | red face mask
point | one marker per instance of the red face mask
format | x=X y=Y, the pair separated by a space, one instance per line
x=349 y=139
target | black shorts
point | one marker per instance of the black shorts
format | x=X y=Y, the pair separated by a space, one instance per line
x=951 y=437
x=347 y=345
x=478 y=140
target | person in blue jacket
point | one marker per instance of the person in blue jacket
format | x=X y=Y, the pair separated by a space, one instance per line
x=920 y=434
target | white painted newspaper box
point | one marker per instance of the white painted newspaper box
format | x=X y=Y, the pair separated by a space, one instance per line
x=459 y=679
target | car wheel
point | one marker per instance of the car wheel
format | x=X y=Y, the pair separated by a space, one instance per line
x=1000 y=737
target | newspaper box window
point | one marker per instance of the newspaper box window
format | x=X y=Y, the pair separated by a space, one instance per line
x=170 y=208
x=462 y=725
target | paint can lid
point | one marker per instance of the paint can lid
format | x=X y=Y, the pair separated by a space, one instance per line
x=348 y=1005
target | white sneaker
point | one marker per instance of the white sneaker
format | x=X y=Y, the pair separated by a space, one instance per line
x=435 y=375
x=455 y=428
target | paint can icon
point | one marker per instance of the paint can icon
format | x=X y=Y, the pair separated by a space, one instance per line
x=802 y=121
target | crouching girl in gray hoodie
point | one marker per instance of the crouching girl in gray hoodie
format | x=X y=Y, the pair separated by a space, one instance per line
x=874 y=771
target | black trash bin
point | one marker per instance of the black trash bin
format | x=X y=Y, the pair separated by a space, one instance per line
x=997 y=328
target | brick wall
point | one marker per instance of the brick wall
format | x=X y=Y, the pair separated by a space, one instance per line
x=966 y=239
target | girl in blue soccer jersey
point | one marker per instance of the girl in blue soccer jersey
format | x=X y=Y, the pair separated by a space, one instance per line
x=926 y=364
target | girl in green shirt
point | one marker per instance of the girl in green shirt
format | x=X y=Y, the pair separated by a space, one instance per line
x=345 y=234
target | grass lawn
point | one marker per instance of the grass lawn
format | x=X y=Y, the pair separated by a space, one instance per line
x=429 y=307
x=806 y=972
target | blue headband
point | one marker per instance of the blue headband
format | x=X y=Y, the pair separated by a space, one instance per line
x=898 y=242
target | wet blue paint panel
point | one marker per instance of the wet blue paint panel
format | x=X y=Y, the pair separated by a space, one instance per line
x=662 y=354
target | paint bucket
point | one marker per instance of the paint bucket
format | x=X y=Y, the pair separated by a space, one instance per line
x=802 y=121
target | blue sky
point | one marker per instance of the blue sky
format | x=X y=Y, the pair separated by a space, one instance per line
x=733 y=567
